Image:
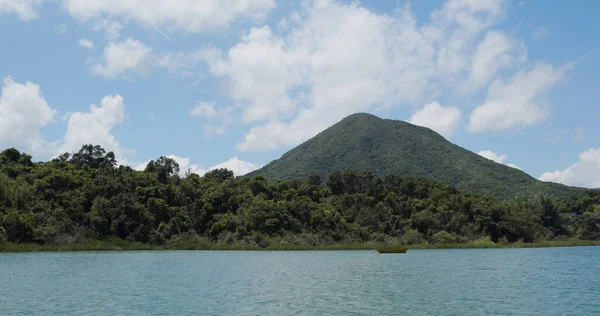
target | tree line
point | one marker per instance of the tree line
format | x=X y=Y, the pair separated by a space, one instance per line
x=85 y=196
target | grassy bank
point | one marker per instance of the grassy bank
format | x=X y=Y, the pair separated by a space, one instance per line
x=114 y=244
x=117 y=244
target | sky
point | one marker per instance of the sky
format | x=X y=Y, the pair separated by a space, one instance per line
x=235 y=84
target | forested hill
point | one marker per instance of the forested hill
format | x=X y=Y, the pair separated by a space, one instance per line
x=364 y=142
x=85 y=197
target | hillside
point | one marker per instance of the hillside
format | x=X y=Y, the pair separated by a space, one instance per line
x=365 y=142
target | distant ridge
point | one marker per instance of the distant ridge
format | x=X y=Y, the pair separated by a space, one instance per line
x=365 y=142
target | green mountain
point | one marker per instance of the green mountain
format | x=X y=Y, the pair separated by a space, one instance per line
x=365 y=142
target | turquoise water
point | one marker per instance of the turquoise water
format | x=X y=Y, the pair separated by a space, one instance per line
x=541 y=281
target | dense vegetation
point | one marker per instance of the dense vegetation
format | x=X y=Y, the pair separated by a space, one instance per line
x=364 y=142
x=86 y=198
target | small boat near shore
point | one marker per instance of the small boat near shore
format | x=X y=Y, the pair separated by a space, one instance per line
x=391 y=250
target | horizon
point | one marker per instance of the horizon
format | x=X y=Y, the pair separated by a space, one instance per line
x=237 y=85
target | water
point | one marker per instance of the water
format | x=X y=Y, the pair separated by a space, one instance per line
x=550 y=281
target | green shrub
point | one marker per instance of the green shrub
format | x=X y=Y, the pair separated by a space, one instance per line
x=412 y=237
x=444 y=237
x=484 y=242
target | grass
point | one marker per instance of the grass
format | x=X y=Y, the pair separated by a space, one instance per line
x=112 y=244
x=116 y=244
x=520 y=244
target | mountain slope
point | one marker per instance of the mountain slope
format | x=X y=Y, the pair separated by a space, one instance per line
x=364 y=142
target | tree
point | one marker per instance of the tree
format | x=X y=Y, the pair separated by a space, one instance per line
x=64 y=157
x=90 y=156
x=219 y=175
x=164 y=167
x=10 y=155
x=80 y=197
x=335 y=182
x=589 y=226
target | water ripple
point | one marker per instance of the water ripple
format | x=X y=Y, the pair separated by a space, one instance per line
x=558 y=281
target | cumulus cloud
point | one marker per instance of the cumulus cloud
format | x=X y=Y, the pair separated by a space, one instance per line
x=335 y=59
x=497 y=158
x=584 y=173
x=119 y=58
x=23 y=112
x=25 y=10
x=184 y=166
x=516 y=103
x=216 y=119
x=130 y=56
x=443 y=120
x=204 y=109
x=239 y=167
x=86 y=43
x=95 y=127
x=111 y=28
x=497 y=51
x=182 y=15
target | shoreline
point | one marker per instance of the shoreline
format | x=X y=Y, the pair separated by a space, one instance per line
x=121 y=245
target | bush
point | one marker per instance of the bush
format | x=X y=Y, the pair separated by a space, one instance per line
x=412 y=237
x=484 y=242
x=561 y=238
x=189 y=241
x=444 y=237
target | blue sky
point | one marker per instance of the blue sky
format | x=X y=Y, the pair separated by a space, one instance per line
x=237 y=84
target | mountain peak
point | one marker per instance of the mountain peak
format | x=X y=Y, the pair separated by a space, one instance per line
x=365 y=142
x=361 y=116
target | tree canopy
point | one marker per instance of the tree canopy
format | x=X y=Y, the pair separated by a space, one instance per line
x=86 y=196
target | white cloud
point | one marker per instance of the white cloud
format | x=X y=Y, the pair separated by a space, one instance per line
x=239 y=167
x=95 y=127
x=23 y=112
x=260 y=74
x=111 y=28
x=182 y=15
x=216 y=119
x=516 y=103
x=176 y=61
x=204 y=109
x=456 y=25
x=584 y=173
x=497 y=158
x=338 y=59
x=129 y=55
x=25 y=10
x=85 y=43
x=495 y=52
x=443 y=120
x=493 y=156
x=121 y=59
x=184 y=166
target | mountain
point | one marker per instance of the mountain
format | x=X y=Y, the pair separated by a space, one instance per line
x=364 y=142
